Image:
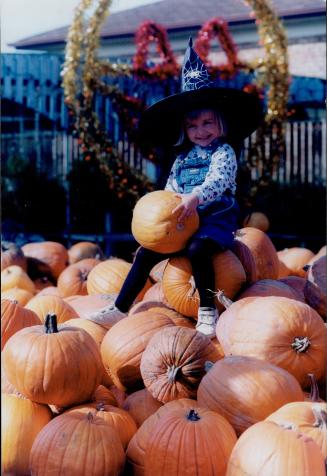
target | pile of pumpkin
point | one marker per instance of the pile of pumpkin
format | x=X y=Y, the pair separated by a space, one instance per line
x=148 y=395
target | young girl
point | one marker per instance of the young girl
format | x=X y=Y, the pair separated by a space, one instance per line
x=203 y=176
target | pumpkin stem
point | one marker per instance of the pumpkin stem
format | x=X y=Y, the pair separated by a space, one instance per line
x=314 y=393
x=301 y=344
x=51 y=324
x=90 y=417
x=320 y=416
x=193 y=416
x=172 y=373
x=306 y=267
x=224 y=300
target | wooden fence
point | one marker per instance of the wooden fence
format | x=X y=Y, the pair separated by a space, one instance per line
x=54 y=152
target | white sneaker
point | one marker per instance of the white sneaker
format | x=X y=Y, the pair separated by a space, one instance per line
x=207 y=320
x=106 y=316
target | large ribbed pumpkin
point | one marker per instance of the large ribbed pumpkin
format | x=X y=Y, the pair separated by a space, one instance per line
x=267 y=449
x=50 y=304
x=283 y=331
x=139 y=443
x=179 y=286
x=257 y=254
x=309 y=418
x=108 y=277
x=156 y=228
x=54 y=366
x=195 y=442
x=124 y=343
x=72 y=280
x=157 y=306
x=14 y=318
x=51 y=253
x=21 y=421
x=246 y=390
x=173 y=362
x=77 y=444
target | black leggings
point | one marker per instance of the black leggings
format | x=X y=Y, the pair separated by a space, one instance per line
x=199 y=251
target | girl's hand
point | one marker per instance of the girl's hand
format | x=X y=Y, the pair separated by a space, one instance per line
x=187 y=206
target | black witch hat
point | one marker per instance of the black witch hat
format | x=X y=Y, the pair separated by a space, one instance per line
x=160 y=124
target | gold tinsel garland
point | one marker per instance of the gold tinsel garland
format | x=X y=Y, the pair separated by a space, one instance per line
x=81 y=78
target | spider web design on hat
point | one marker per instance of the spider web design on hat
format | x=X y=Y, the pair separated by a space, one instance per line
x=194 y=73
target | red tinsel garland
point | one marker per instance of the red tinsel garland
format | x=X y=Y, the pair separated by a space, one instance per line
x=217 y=27
x=147 y=32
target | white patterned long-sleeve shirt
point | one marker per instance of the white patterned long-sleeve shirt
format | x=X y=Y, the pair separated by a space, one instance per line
x=221 y=175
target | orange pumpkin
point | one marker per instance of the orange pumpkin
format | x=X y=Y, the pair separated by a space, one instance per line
x=15 y=277
x=141 y=404
x=155 y=306
x=294 y=259
x=108 y=277
x=77 y=444
x=222 y=390
x=309 y=418
x=297 y=283
x=50 y=304
x=49 y=291
x=103 y=395
x=14 y=318
x=155 y=227
x=136 y=449
x=51 y=253
x=315 y=289
x=115 y=417
x=283 y=331
x=84 y=250
x=179 y=286
x=84 y=305
x=54 y=366
x=205 y=440
x=21 y=422
x=270 y=287
x=22 y=296
x=97 y=333
x=265 y=448
x=124 y=343
x=173 y=362
x=257 y=254
x=156 y=293
x=72 y=281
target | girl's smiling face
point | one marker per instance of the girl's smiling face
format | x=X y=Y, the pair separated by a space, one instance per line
x=204 y=128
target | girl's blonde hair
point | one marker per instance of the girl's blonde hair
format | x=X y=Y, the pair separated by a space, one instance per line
x=194 y=114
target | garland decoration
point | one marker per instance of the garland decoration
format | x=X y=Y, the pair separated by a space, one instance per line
x=147 y=32
x=272 y=76
x=82 y=74
x=217 y=27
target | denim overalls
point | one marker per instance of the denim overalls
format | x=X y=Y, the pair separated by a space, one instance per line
x=219 y=219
